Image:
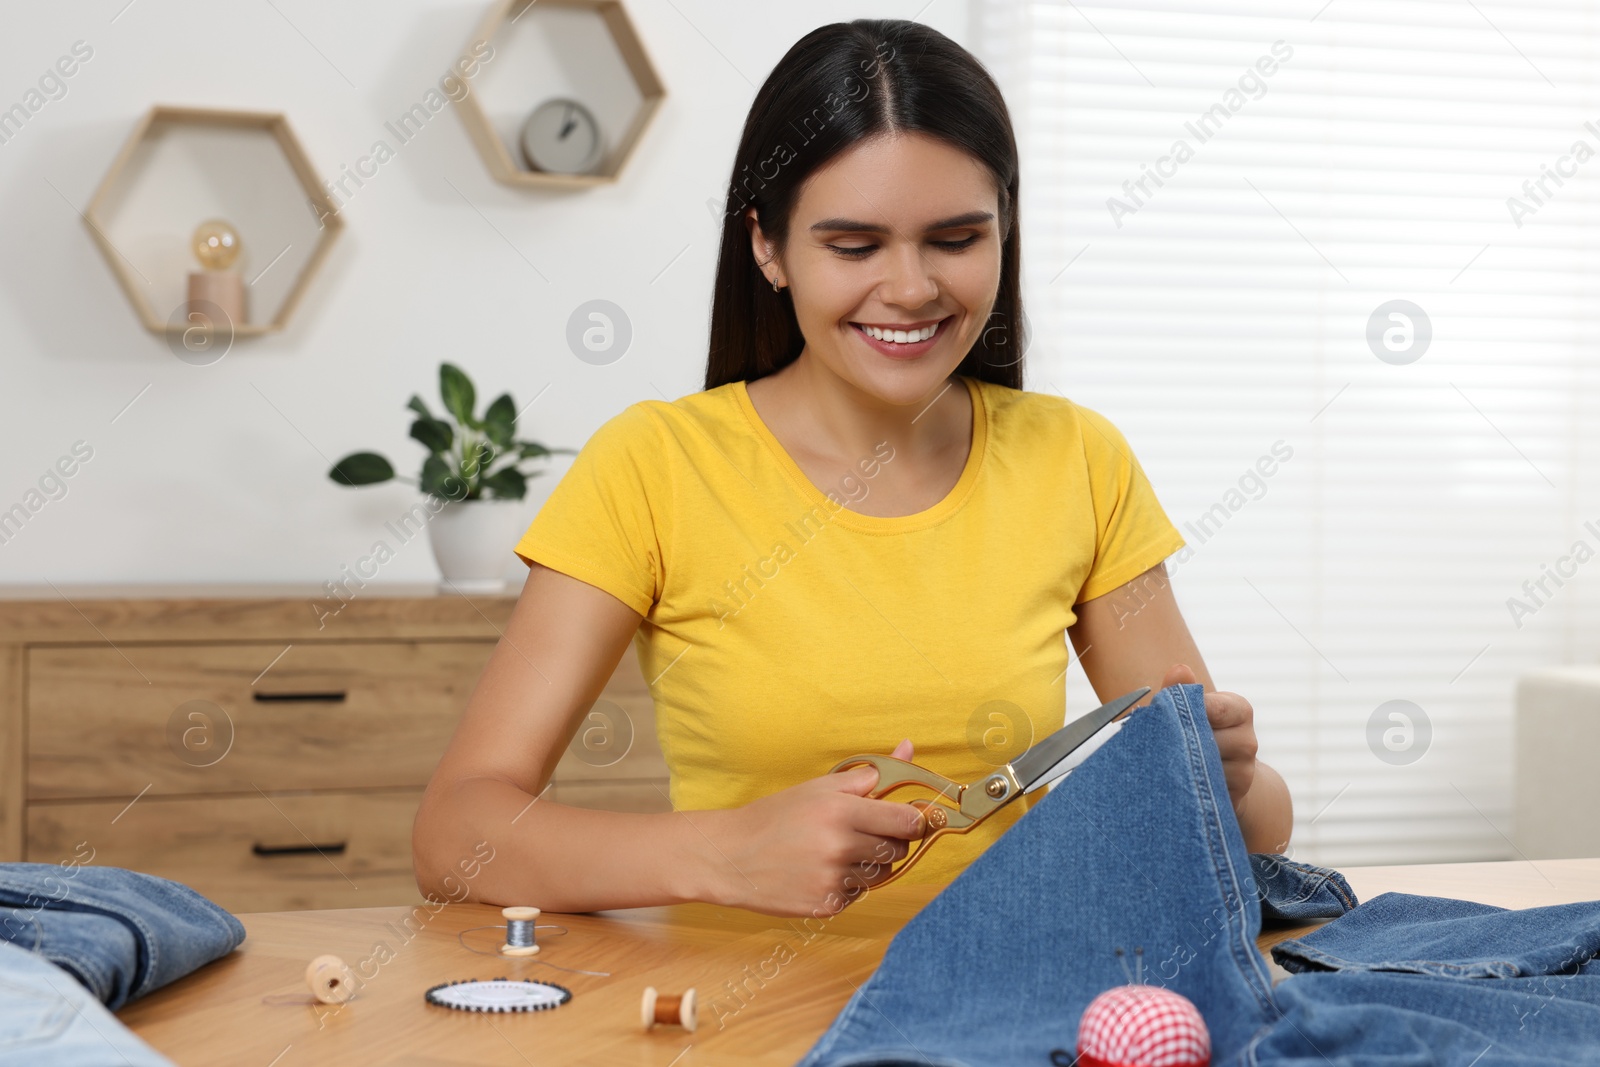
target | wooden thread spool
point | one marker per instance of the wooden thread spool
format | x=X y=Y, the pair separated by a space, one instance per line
x=519 y=931
x=330 y=980
x=669 y=1010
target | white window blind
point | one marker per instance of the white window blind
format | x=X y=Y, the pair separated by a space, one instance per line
x=1229 y=311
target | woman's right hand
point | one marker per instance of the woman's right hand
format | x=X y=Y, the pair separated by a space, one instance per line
x=809 y=849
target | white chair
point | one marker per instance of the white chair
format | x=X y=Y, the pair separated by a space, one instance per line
x=1556 y=786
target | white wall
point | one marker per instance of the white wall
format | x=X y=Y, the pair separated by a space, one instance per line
x=218 y=473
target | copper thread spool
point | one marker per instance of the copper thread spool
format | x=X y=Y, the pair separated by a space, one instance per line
x=329 y=979
x=519 y=931
x=661 y=1008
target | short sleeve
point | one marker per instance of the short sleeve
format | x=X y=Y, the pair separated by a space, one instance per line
x=606 y=521
x=1133 y=533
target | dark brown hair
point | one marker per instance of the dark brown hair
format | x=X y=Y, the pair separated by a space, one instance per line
x=838 y=85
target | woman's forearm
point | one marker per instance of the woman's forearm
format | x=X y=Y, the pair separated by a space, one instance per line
x=1266 y=813
x=553 y=856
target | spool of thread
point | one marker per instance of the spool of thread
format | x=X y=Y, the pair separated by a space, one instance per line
x=519 y=931
x=330 y=980
x=661 y=1008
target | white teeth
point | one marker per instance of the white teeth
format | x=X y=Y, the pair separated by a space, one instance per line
x=902 y=336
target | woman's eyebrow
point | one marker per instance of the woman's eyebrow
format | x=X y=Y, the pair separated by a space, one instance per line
x=856 y=225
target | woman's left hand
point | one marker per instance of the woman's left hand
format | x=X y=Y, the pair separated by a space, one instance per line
x=1233 y=724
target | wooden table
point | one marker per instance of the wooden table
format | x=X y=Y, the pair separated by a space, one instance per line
x=754 y=1009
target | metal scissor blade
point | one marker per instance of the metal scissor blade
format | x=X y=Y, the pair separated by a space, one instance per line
x=1034 y=764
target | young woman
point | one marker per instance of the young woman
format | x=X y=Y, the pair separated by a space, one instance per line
x=862 y=532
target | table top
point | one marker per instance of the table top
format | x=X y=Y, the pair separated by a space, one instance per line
x=757 y=1006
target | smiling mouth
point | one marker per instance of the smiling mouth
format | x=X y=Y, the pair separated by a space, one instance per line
x=902 y=337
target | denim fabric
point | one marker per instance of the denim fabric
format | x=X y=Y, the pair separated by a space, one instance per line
x=1140 y=848
x=1449 y=938
x=1137 y=849
x=46 y=1017
x=1295 y=892
x=121 y=933
x=1363 y=1018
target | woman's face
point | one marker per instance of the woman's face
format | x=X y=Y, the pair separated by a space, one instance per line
x=899 y=232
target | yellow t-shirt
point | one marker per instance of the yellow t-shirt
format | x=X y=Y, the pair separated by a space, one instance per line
x=785 y=631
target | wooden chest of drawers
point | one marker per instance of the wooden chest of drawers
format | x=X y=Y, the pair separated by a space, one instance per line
x=231 y=740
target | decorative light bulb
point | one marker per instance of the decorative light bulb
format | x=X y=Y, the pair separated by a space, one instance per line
x=216 y=244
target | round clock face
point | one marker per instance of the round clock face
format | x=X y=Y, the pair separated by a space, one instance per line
x=561 y=137
x=499 y=995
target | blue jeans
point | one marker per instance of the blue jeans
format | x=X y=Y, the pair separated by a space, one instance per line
x=1139 y=849
x=1450 y=938
x=1423 y=980
x=46 y=1017
x=121 y=933
x=1356 y=1018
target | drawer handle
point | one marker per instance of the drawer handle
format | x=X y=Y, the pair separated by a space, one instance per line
x=332 y=697
x=298 y=850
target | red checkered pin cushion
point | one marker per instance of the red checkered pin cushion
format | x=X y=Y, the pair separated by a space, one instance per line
x=1142 y=1026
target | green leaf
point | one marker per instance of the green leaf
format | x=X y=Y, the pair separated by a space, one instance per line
x=416 y=404
x=534 y=450
x=435 y=472
x=507 y=483
x=435 y=434
x=361 y=468
x=459 y=396
x=500 y=420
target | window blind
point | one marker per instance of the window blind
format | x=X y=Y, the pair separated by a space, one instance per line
x=1222 y=204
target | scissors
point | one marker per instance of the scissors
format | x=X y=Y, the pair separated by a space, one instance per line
x=971 y=803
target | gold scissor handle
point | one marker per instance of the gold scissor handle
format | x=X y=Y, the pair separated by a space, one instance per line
x=938 y=818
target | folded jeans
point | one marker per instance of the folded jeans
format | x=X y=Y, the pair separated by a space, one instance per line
x=121 y=933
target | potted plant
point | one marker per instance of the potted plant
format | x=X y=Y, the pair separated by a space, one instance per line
x=472 y=504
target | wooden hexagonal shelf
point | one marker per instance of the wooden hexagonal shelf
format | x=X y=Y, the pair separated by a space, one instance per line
x=585 y=50
x=184 y=165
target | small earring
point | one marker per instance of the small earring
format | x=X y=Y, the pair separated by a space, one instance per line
x=775 y=285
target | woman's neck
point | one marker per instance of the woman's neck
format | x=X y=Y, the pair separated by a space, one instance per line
x=812 y=409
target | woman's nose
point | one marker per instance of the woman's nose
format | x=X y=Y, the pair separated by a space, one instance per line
x=911 y=282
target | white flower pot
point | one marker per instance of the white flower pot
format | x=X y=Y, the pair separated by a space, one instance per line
x=473 y=541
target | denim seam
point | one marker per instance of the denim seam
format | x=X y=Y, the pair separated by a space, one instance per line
x=1332 y=879
x=1347 y=899
x=1320 y=877
x=1324 y=877
x=1242 y=949
x=1312 y=889
x=1495 y=968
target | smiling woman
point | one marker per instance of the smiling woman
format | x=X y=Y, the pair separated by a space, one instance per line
x=855 y=306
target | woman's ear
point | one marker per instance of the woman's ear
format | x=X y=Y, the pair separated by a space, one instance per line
x=761 y=246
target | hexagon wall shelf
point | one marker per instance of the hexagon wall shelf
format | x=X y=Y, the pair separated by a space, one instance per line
x=182 y=165
x=587 y=50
